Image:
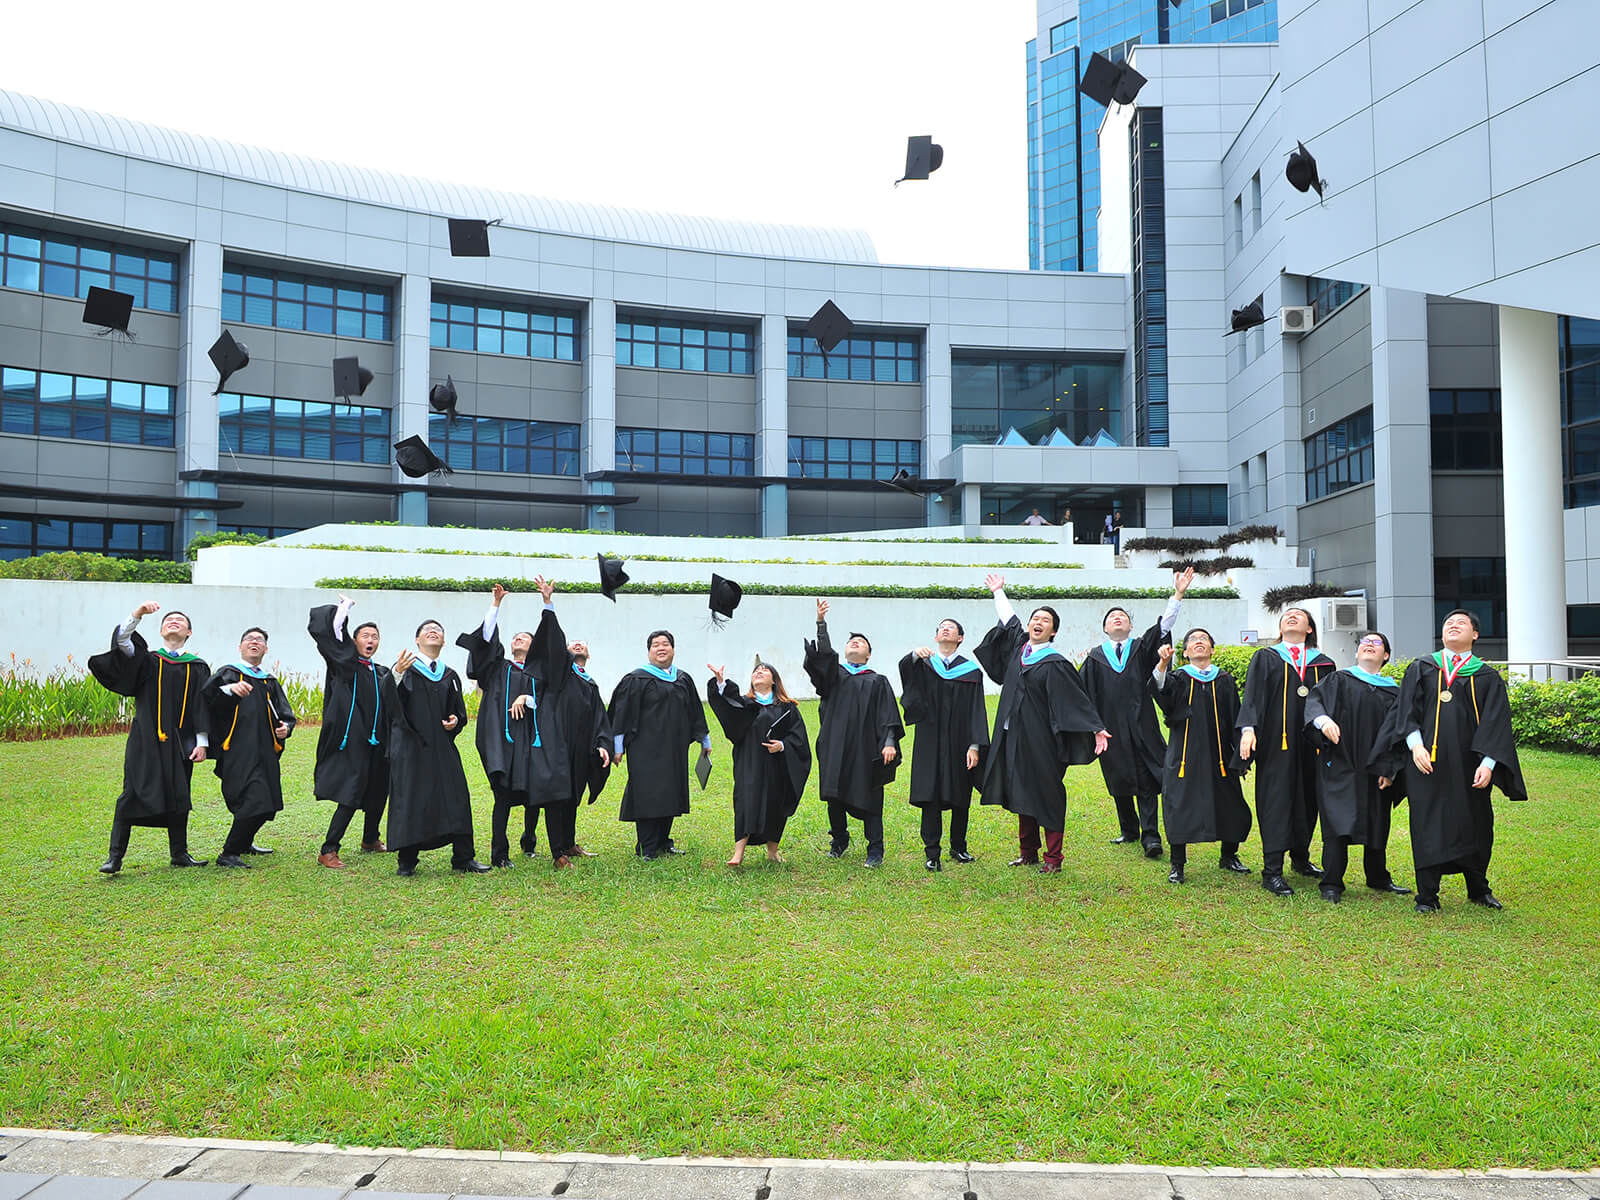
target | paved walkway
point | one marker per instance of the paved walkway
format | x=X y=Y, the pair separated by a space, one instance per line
x=56 y=1165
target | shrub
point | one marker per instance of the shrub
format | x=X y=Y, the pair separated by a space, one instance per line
x=1248 y=533
x=1558 y=716
x=1170 y=544
x=1274 y=599
x=71 y=566
x=1220 y=565
x=201 y=540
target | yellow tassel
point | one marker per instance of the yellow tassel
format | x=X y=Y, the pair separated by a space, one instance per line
x=1472 y=686
x=161 y=672
x=1433 y=751
x=1216 y=723
x=184 y=711
x=1183 y=758
x=232 y=727
x=1285 y=718
x=272 y=723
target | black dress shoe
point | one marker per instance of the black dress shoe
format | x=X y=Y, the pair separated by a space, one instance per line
x=502 y=862
x=1232 y=863
x=1152 y=849
x=231 y=860
x=838 y=851
x=933 y=865
x=1487 y=900
x=672 y=848
x=1175 y=875
x=254 y=849
x=1308 y=870
x=874 y=861
x=1332 y=895
x=406 y=869
x=962 y=856
x=1123 y=839
x=1391 y=888
x=1276 y=885
x=471 y=867
x=1424 y=906
x=111 y=865
x=188 y=860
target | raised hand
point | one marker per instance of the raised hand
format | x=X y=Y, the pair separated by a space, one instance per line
x=822 y=610
x=922 y=652
x=1331 y=731
x=1165 y=654
x=519 y=707
x=994 y=582
x=773 y=747
x=403 y=663
x=241 y=689
x=547 y=588
x=499 y=594
x=720 y=672
x=1420 y=757
x=346 y=601
x=145 y=609
x=1247 y=744
x=1181 y=580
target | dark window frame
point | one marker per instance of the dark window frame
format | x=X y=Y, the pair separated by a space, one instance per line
x=245 y=287
x=1186 y=508
x=25 y=412
x=1487 y=603
x=142 y=272
x=476 y=326
x=264 y=426
x=670 y=343
x=1340 y=457
x=686 y=452
x=145 y=533
x=852 y=458
x=866 y=356
x=506 y=445
x=1455 y=436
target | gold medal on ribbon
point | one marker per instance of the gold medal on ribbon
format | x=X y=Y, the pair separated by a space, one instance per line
x=1302 y=691
x=1445 y=697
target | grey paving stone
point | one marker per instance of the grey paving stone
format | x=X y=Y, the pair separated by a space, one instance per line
x=8 y=1143
x=865 y=1183
x=661 y=1181
x=284 y=1168
x=86 y=1187
x=97 y=1157
x=366 y=1194
x=271 y=1191
x=1480 y=1189
x=16 y=1184
x=474 y=1176
x=187 y=1189
x=1059 y=1185
x=1211 y=1187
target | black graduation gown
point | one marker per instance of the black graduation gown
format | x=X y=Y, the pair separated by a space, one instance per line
x=1051 y=727
x=1284 y=758
x=429 y=803
x=352 y=745
x=657 y=720
x=1450 y=819
x=1202 y=796
x=167 y=714
x=766 y=787
x=578 y=716
x=527 y=775
x=949 y=716
x=856 y=719
x=1132 y=763
x=1349 y=801
x=247 y=749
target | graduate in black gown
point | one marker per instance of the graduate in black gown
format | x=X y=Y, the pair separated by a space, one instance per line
x=252 y=715
x=352 y=767
x=1344 y=715
x=520 y=749
x=655 y=715
x=858 y=737
x=1202 y=796
x=1044 y=724
x=577 y=720
x=169 y=733
x=771 y=755
x=1450 y=731
x=1272 y=735
x=1116 y=674
x=941 y=693
x=429 y=802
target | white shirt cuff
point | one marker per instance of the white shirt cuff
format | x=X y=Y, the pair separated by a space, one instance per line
x=125 y=634
x=1323 y=721
x=1160 y=676
x=1488 y=762
x=616 y=746
x=1414 y=739
x=202 y=740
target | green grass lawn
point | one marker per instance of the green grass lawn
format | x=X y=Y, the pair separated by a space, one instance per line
x=810 y=1009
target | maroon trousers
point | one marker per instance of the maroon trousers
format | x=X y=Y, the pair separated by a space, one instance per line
x=1028 y=839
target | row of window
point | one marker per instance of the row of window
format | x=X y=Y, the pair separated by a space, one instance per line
x=878 y=359
x=62 y=265
x=257 y=296
x=1580 y=409
x=1340 y=456
x=1325 y=295
x=686 y=452
x=1200 y=504
x=266 y=531
x=1221 y=10
x=1475 y=584
x=1464 y=429
x=852 y=458
x=1034 y=396
x=502 y=444
x=23 y=535
x=303 y=429
x=49 y=404
x=697 y=346
x=523 y=330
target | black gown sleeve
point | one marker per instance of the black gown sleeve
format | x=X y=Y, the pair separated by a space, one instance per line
x=999 y=646
x=1255 y=685
x=338 y=653
x=483 y=654
x=822 y=662
x=733 y=712
x=916 y=689
x=1494 y=738
x=118 y=672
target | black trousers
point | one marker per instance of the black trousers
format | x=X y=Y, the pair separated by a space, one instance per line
x=177 y=836
x=655 y=835
x=371 y=819
x=1272 y=861
x=1336 y=860
x=1475 y=870
x=933 y=827
x=499 y=840
x=871 y=827
x=1180 y=852
x=560 y=830
x=462 y=851
x=1136 y=817
x=242 y=834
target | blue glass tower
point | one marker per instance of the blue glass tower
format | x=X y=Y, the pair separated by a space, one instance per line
x=1063 y=150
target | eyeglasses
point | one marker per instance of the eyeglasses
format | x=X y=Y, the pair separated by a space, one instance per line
x=1378 y=642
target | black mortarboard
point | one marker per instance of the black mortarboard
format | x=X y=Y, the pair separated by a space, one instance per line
x=416 y=458
x=350 y=378
x=828 y=326
x=725 y=597
x=1107 y=82
x=901 y=481
x=442 y=398
x=107 y=309
x=469 y=238
x=923 y=158
x=612 y=577
x=702 y=768
x=1301 y=171
x=1247 y=317
x=228 y=356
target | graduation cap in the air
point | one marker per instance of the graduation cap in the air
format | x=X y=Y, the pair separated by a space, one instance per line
x=1107 y=82
x=923 y=157
x=442 y=398
x=350 y=378
x=1247 y=317
x=612 y=577
x=228 y=355
x=108 y=309
x=416 y=458
x=828 y=326
x=725 y=597
x=1301 y=171
x=901 y=481
x=469 y=238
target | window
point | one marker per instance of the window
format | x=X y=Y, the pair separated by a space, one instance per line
x=852 y=458
x=258 y=296
x=502 y=444
x=676 y=345
x=1149 y=278
x=1326 y=295
x=1475 y=584
x=23 y=535
x=1464 y=428
x=1063 y=35
x=1255 y=203
x=457 y=323
x=1340 y=456
x=303 y=429
x=64 y=265
x=1034 y=396
x=686 y=452
x=47 y=404
x=865 y=358
x=1221 y=10
x=1580 y=410
x=1200 y=504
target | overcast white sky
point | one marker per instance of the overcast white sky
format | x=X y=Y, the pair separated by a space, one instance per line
x=794 y=113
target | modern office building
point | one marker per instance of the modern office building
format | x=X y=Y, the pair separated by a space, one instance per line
x=1064 y=125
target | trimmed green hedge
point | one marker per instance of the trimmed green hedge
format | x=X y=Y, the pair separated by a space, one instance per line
x=71 y=566
x=201 y=540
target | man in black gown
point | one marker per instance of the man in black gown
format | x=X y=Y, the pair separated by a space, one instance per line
x=581 y=727
x=1116 y=675
x=429 y=804
x=250 y=711
x=353 y=744
x=858 y=737
x=169 y=733
x=941 y=693
x=655 y=714
x=1451 y=730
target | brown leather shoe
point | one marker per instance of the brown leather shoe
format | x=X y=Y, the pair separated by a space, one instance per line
x=1049 y=868
x=563 y=861
x=374 y=847
x=580 y=852
x=330 y=860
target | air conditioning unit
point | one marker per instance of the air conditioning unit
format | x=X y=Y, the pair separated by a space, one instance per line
x=1346 y=614
x=1297 y=320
